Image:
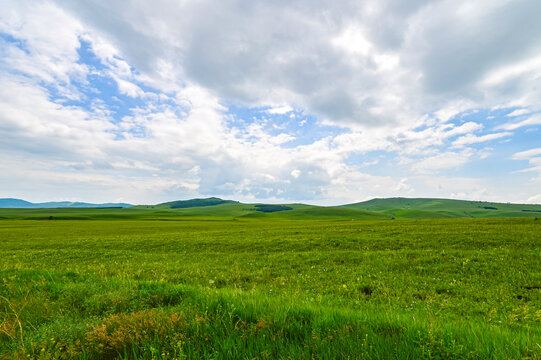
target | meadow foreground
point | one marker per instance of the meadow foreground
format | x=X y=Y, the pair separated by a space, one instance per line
x=259 y=288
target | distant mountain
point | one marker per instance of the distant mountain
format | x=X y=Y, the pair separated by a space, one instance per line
x=15 y=203
x=22 y=204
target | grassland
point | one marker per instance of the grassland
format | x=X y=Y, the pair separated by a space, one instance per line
x=150 y=286
x=391 y=208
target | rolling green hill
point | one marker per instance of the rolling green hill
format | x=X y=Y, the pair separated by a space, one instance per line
x=225 y=210
x=184 y=204
x=216 y=208
x=420 y=208
x=320 y=213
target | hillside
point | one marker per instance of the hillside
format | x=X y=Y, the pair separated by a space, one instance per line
x=184 y=204
x=320 y=213
x=425 y=208
x=391 y=208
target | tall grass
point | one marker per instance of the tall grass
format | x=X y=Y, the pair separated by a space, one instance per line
x=255 y=289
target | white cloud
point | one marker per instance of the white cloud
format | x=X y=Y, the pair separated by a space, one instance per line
x=445 y=160
x=280 y=110
x=473 y=139
x=533 y=120
x=359 y=63
x=466 y=128
x=518 y=112
x=49 y=48
x=353 y=40
x=449 y=110
x=536 y=199
x=295 y=173
x=512 y=71
x=392 y=75
x=534 y=159
x=129 y=88
x=527 y=154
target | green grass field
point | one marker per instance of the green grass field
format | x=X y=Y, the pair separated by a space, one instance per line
x=392 y=208
x=161 y=284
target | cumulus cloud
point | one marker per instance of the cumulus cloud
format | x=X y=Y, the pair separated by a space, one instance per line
x=280 y=110
x=442 y=161
x=533 y=120
x=533 y=156
x=376 y=62
x=473 y=139
x=518 y=112
x=527 y=154
x=536 y=199
x=378 y=76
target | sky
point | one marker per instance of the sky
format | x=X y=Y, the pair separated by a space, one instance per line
x=273 y=101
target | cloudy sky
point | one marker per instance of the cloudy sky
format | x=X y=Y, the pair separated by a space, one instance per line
x=324 y=102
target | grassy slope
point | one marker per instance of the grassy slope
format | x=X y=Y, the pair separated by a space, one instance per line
x=83 y=214
x=233 y=209
x=320 y=213
x=222 y=211
x=183 y=204
x=373 y=209
x=137 y=212
x=447 y=288
x=438 y=208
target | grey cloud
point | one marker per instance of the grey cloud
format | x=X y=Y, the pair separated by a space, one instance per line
x=265 y=52
x=273 y=53
x=387 y=24
x=253 y=53
x=456 y=50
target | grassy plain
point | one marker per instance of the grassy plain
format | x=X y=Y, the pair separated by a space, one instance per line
x=164 y=286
